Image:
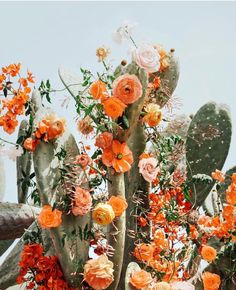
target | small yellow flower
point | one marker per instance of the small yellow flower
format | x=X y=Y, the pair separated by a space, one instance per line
x=103 y=214
x=153 y=116
x=102 y=53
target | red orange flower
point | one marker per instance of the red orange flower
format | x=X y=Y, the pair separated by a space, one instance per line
x=218 y=175
x=119 y=156
x=211 y=281
x=98 y=90
x=104 y=140
x=208 y=253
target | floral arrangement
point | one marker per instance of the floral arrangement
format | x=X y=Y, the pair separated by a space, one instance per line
x=125 y=210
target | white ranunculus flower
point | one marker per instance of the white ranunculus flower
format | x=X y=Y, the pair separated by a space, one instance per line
x=11 y=152
x=124 y=32
x=147 y=57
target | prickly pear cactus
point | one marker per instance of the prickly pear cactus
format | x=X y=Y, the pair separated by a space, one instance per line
x=23 y=167
x=207 y=145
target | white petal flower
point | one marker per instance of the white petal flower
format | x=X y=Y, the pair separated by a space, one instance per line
x=124 y=32
x=11 y=152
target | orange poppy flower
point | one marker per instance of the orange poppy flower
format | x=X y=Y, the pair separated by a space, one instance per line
x=113 y=107
x=118 y=204
x=98 y=90
x=119 y=156
x=231 y=194
x=211 y=281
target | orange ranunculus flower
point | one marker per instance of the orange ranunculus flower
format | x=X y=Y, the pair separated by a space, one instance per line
x=98 y=273
x=56 y=128
x=104 y=140
x=113 y=107
x=144 y=252
x=118 y=204
x=153 y=116
x=98 y=90
x=140 y=279
x=30 y=144
x=103 y=214
x=82 y=202
x=119 y=156
x=208 y=253
x=49 y=218
x=218 y=175
x=127 y=88
x=211 y=281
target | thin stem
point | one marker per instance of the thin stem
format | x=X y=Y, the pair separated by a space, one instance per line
x=3 y=140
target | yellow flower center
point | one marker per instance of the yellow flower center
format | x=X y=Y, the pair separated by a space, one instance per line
x=119 y=156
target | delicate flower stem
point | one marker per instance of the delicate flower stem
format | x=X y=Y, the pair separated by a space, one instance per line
x=3 y=140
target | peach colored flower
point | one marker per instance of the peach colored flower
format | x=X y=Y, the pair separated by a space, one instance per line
x=119 y=156
x=104 y=140
x=98 y=90
x=113 y=107
x=83 y=160
x=153 y=116
x=159 y=286
x=148 y=168
x=98 y=273
x=56 y=128
x=118 y=204
x=103 y=214
x=147 y=57
x=49 y=218
x=182 y=286
x=127 y=88
x=102 y=53
x=211 y=281
x=218 y=175
x=140 y=279
x=144 y=252
x=208 y=253
x=82 y=202
x=85 y=125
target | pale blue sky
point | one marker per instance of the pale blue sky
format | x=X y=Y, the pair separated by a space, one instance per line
x=44 y=36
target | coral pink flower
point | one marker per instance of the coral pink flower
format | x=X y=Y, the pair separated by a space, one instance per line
x=98 y=273
x=82 y=202
x=104 y=140
x=148 y=168
x=83 y=160
x=127 y=88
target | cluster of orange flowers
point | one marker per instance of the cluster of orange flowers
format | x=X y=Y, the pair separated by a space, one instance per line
x=40 y=271
x=48 y=129
x=127 y=89
x=12 y=107
x=223 y=225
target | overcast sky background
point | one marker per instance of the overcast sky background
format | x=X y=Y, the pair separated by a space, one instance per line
x=43 y=36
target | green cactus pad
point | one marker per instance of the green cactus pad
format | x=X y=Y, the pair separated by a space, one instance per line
x=207 y=145
x=23 y=167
